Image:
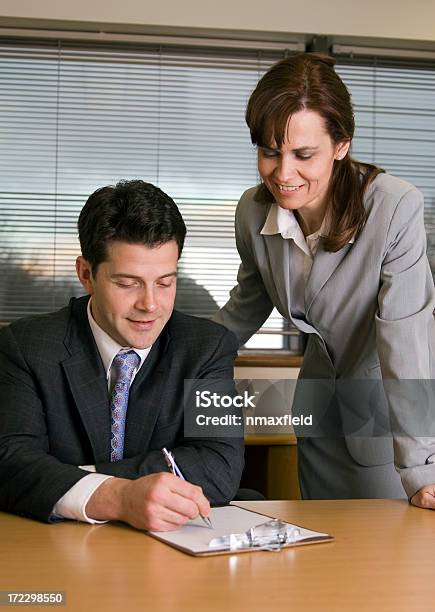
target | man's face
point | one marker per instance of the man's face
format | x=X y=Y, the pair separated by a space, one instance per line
x=133 y=291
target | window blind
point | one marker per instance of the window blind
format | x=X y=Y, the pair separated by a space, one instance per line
x=74 y=118
x=395 y=117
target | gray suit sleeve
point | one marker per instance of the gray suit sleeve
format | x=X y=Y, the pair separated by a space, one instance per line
x=249 y=304
x=405 y=340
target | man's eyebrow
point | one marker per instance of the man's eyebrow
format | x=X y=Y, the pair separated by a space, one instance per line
x=134 y=277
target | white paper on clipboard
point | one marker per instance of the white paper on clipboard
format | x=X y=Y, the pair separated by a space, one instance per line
x=194 y=537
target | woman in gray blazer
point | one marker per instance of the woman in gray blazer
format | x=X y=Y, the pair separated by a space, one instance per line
x=339 y=248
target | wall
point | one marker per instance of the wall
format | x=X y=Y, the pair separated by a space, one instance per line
x=401 y=19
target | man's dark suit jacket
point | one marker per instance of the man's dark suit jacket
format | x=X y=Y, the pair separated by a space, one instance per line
x=55 y=413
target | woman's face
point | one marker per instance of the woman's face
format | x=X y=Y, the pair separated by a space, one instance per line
x=298 y=174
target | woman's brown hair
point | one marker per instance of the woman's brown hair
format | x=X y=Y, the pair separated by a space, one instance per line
x=309 y=81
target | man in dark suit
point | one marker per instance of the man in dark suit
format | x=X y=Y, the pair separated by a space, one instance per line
x=90 y=394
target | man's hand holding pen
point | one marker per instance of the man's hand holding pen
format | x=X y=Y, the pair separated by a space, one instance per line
x=158 y=502
x=172 y=465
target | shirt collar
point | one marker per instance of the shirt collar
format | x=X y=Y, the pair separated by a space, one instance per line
x=282 y=221
x=108 y=347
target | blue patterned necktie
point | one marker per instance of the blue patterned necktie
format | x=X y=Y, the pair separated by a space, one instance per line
x=123 y=366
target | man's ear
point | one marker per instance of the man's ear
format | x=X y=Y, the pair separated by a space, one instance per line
x=341 y=149
x=84 y=273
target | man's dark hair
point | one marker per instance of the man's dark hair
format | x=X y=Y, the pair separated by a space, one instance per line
x=131 y=211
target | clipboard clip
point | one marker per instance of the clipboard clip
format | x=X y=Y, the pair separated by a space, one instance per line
x=272 y=535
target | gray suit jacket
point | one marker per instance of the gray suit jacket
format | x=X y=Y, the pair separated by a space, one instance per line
x=369 y=316
x=55 y=413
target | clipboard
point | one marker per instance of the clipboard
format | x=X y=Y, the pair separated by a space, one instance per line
x=194 y=537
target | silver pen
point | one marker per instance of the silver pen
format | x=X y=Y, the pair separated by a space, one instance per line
x=169 y=457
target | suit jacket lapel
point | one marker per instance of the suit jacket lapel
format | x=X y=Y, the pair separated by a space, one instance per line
x=278 y=251
x=87 y=380
x=324 y=265
x=145 y=401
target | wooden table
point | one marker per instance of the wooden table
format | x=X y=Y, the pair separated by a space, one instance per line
x=383 y=559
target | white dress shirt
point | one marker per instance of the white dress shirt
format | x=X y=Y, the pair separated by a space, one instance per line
x=72 y=505
x=302 y=251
